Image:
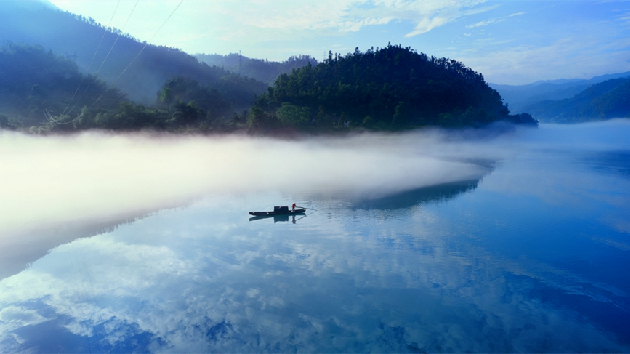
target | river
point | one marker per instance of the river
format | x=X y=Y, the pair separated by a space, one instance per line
x=527 y=252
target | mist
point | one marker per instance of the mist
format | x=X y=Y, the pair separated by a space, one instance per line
x=51 y=181
x=56 y=180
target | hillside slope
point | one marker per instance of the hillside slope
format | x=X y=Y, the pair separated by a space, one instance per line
x=36 y=84
x=606 y=100
x=383 y=89
x=517 y=97
x=261 y=70
x=35 y=22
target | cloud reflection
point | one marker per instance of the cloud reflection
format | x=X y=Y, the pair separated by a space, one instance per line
x=55 y=189
x=246 y=288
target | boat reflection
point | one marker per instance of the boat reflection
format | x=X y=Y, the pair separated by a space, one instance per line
x=279 y=218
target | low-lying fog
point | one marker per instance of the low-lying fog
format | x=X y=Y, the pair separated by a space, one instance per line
x=67 y=182
x=92 y=176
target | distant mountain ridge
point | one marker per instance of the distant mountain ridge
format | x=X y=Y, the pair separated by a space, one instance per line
x=261 y=70
x=517 y=97
x=40 y=23
x=604 y=100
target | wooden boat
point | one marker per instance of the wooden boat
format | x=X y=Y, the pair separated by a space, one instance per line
x=278 y=210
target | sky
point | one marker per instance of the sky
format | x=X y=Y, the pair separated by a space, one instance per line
x=509 y=42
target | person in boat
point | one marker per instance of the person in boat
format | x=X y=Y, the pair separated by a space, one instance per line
x=293 y=207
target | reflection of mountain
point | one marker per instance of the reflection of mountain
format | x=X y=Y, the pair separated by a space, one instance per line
x=330 y=285
x=616 y=162
x=17 y=251
x=407 y=199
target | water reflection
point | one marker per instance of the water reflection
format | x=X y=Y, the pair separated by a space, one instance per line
x=407 y=199
x=279 y=218
x=617 y=162
x=20 y=249
x=507 y=265
x=197 y=280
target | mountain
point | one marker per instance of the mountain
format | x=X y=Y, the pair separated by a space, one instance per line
x=605 y=100
x=36 y=84
x=392 y=88
x=137 y=69
x=517 y=97
x=261 y=70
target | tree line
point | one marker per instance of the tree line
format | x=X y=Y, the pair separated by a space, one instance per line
x=391 y=88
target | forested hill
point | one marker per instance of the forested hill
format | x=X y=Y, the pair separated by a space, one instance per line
x=41 y=92
x=384 y=89
x=606 y=100
x=35 y=23
x=37 y=87
x=261 y=70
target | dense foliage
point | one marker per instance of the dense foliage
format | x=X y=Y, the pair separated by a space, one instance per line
x=609 y=99
x=383 y=89
x=142 y=86
x=261 y=70
x=41 y=92
x=37 y=85
x=146 y=67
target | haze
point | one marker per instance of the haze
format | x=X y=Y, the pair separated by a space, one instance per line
x=94 y=176
x=510 y=42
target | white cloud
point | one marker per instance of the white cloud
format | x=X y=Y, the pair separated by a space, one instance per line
x=569 y=57
x=494 y=20
x=320 y=15
x=517 y=14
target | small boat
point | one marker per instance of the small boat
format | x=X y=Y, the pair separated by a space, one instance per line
x=278 y=210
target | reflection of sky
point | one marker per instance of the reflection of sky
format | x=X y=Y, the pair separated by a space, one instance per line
x=531 y=259
x=204 y=278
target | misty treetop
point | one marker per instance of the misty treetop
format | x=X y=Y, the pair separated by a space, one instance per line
x=388 y=88
x=261 y=70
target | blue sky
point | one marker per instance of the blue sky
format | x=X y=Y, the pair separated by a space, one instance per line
x=510 y=42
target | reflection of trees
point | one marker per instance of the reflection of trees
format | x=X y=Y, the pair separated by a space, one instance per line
x=409 y=198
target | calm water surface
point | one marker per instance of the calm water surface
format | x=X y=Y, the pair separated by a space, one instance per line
x=534 y=257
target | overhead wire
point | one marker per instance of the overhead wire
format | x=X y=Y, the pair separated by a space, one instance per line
x=140 y=52
x=117 y=37
x=105 y=30
x=110 y=48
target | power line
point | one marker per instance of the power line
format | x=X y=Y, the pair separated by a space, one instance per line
x=140 y=52
x=109 y=52
x=90 y=64
x=117 y=37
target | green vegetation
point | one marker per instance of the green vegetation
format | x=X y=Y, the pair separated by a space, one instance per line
x=258 y=69
x=146 y=67
x=392 y=88
x=41 y=92
x=606 y=100
x=36 y=87
x=141 y=86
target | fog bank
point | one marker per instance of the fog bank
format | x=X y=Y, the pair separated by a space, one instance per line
x=55 y=180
